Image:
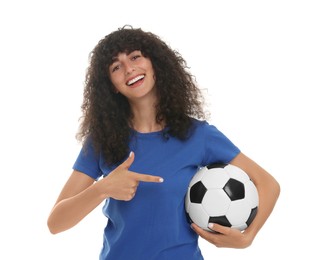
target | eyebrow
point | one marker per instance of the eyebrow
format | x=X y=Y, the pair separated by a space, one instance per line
x=114 y=59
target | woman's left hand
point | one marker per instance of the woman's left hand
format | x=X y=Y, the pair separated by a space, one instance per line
x=224 y=236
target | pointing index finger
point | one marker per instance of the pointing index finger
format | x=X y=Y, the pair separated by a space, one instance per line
x=147 y=178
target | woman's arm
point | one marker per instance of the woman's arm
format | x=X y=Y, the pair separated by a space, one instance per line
x=81 y=194
x=77 y=199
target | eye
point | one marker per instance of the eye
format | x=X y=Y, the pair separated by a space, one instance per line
x=115 y=68
x=136 y=56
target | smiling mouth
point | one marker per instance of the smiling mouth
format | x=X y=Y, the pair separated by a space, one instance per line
x=134 y=80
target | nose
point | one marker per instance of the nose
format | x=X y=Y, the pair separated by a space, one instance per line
x=129 y=68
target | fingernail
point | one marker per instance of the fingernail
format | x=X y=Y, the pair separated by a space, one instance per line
x=210 y=225
x=130 y=154
x=161 y=180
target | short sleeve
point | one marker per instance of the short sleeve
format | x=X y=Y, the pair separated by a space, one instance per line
x=218 y=148
x=88 y=161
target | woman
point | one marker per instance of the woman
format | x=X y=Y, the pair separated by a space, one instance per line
x=144 y=137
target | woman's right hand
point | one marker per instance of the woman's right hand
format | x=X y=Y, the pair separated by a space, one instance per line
x=122 y=184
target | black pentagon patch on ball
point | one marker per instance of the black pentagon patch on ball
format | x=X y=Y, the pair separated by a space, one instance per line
x=197 y=192
x=222 y=220
x=234 y=189
x=216 y=165
x=251 y=216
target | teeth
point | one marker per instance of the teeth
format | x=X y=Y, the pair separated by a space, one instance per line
x=132 y=81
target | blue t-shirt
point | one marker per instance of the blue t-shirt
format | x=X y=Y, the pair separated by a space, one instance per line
x=153 y=225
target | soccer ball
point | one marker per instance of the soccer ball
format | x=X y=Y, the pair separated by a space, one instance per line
x=222 y=194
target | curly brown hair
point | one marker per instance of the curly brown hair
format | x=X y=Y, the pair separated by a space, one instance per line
x=106 y=115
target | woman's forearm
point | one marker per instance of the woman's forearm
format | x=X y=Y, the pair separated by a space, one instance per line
x=68 y=212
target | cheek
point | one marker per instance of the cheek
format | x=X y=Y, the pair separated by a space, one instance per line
x=117 y=80
x=153 y=73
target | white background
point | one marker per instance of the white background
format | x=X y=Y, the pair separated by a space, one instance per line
x=261 y=63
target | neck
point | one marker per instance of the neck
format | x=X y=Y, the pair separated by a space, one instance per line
x=144 y=118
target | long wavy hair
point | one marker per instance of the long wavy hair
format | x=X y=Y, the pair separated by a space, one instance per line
x=106 y=115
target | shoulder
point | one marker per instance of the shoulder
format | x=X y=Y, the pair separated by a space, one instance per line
x=201 y=129
x=202 y=126
x=88 y=160
x=197 y=124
